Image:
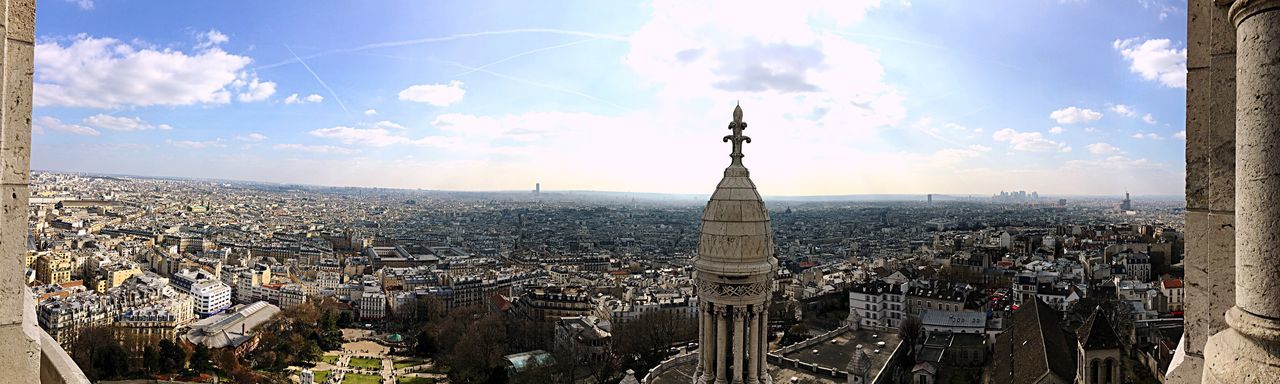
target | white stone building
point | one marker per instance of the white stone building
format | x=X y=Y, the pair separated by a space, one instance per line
x=373 y=304
x=877 y=305
x=211 y=297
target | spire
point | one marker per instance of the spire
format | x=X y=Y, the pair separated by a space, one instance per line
x=737 y=125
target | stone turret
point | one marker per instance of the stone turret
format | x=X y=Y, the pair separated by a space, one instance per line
x=734 y=264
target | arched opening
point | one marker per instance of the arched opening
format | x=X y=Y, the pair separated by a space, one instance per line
x=1110 y=371
x=1093 y=371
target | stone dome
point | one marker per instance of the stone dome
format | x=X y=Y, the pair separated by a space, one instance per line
x=735 y=238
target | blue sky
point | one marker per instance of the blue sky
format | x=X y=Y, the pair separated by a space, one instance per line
x=842 y=97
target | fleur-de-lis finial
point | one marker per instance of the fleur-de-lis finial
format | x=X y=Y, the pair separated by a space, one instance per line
x=737 y=125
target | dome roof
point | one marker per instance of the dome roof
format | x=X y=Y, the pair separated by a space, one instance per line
x=736 y=238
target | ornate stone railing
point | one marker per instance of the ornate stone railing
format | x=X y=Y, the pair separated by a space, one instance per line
x=669 y=364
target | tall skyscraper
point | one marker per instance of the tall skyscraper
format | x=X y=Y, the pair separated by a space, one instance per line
x=734 y=264
x=537 y=188
x=1126 y=204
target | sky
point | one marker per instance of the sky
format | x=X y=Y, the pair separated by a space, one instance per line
x=1078 y=97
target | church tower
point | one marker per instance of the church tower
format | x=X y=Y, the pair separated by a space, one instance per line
x=734 y=264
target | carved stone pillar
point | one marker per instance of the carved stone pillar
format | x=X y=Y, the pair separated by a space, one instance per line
x=1246 y=352
x=722 y=333
x=706 y=330
x=764 y=344
x=739 y=337
x=753 y=348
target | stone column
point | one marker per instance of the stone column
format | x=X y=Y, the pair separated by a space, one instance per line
x=764 y=342
x=753 y=366
x=20 y=351
x=722 y=333
x=707 y=343
x=1245 y=352
x=739 y=336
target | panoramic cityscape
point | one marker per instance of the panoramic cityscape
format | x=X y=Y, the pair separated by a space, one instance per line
x=654 y=192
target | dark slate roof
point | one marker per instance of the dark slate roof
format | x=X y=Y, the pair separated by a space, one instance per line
x=1096 y=333
x=1035 y=345
x=876 y=287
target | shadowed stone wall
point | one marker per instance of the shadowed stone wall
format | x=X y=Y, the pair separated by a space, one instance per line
x=1210 y=193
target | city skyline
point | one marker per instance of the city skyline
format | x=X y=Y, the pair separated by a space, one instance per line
x=886 y=98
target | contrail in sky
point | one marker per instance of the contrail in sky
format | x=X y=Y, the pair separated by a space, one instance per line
x=525 y=53
x=322 y=83
x=533 y=83
x=593 y=35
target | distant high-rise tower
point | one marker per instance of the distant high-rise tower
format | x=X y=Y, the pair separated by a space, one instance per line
x=537 y=188
x=930 y=198
x=1126 y=204
x=734 y=264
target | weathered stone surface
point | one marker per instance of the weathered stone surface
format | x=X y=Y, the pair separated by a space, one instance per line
x=20 y=23
x=1222 y=33
x=20 y=351
x=1222 y=133
x=13 y=229
x=1196 y=283
x=1220 y=263
x=1247 y=351
x=1198 y=15
x=1197 y=184
x=15 y=143
x=1257 y=164
x=1233 y=358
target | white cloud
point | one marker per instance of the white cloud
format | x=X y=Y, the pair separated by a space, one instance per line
x=1124 y=110
x=295 y=99
x=1091 y=130
x=315 y=148
x=1148 y=136
x=439 y=95
x=107 y=73
x=700 y=51
x=1155 y=60
x=46 y=123
x=252 y=137
x=1055 y=130
x=387 y=124
x=190 y=144
x=1163 y=9
x=210 y=39
x=1115 y=163
x=377 y=137
x=83 y=4
x=1103 y=149
x=370 y=112
x=126 y=124
x=1181 y=135
x=255 y=90
x=1147 y=118
x=1028 y=141
x=1073 y=115
x=380 y=135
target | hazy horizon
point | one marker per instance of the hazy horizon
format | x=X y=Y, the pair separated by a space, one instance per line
x=941 y=196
